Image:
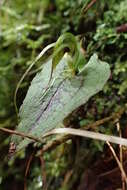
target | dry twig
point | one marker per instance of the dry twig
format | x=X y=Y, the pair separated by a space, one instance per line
x=121 y=156
x=118 y=162
x=115 y=117
x=53 y=144
x=27 y=169
x=13 y=132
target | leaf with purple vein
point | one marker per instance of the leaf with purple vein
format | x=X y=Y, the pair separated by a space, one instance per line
x=42 y=112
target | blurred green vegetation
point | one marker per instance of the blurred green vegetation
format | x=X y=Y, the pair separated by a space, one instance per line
x=26 y=27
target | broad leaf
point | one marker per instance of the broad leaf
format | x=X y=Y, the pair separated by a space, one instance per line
x=44 y=108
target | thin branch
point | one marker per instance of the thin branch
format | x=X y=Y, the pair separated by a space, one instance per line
x=58 y=141
x=87 y=134
x=121 y=155
x=13 y=132
x=52 y=144
x=67 y=177
x=111 y=172
x=27 y=169
x=118 y=162
x=88 y=6
x=115 y=116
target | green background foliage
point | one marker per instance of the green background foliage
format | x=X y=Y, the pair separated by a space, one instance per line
x=26 y=27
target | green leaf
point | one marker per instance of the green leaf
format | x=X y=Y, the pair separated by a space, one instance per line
x=43 y=110
x=66 y=42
